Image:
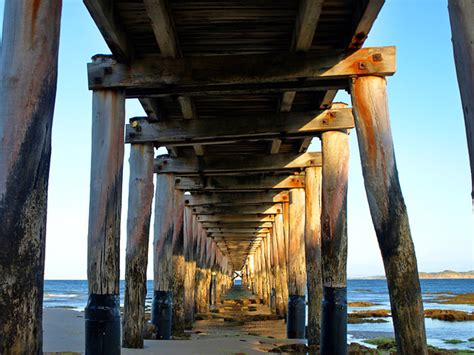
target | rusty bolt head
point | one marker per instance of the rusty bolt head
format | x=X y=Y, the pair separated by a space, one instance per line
x=377 y=57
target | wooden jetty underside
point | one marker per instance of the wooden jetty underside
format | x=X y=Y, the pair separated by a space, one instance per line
x=235 y=90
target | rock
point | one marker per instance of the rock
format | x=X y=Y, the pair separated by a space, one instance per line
x=356 y=320
x=150 y=331
x=449 y=315
x=362 y=304
x=371 y=313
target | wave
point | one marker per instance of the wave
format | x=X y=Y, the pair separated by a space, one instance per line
x=60 y=295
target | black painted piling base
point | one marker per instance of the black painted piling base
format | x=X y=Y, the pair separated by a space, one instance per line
x=334 y=321
x=296 y=318
x=162 y=313
x=102 y=321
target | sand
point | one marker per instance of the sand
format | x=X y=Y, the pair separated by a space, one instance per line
x=234 y=330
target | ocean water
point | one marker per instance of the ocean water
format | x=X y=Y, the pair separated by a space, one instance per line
x=73 y=294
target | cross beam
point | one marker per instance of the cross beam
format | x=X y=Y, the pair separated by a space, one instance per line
x=245 y=182
x=221 y=130
x=236 y=163
x=168 y=74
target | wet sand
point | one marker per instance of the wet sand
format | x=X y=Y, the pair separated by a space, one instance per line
x=233 y=330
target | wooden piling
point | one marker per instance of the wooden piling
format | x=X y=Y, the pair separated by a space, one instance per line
x=335 y=170
x=461 y=15
x=313 y=253
x=190 y=222
x=103 y=334
x=27 y=95
x=138 y=228
x=162 y=254
x=388 y=210
x=279 y=298
x=178 y=264
x=279 y=230
x=296 y=318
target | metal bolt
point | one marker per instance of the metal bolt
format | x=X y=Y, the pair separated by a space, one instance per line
x=377 y=57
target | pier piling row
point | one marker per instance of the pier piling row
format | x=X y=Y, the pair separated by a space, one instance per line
x=235 y=92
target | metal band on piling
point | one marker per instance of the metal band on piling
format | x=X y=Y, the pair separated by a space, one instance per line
x=162 y=313
x=334 y=321
x=102 y=320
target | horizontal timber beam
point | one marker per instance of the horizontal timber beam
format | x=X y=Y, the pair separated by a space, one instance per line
x=235 y=198
x=230 y=235
x=260 y=210
x=244 y=182
x=185 y=132
x=240 y=224
x=236 y=163
x=237 y=230
x=199 y=72
x=226 y=218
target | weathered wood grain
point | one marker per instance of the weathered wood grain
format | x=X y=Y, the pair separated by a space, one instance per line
x=313 y=253
x=230 y=218
x=163 y=232
x=334 y=208
x=200 y=72
x=296 y=244
x=178 y=264
x=461 y=14
x=245 y=182
x=27 y=95
x=236 y=198
x=234 y=164
x=108 y=119
x=188 y=132
x=246 y=209
x=104 y=15
x=190 y=222
x=389 y=214
x=138 y=228
x=335 y=147
x=364 y=24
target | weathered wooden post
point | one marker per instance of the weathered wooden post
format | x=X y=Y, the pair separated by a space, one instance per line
x=178 y=264
x=162 y=307
x=296 y=319
x=279 y=229
x=190 y=222
x=27 y=94
x=461 y=15
x=102 y=313
x=313 y=253
x=279 y=301
x=388 y=210
x=138 y=228
x=335 y=170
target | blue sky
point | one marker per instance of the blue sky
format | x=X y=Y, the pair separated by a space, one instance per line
x=427 y=126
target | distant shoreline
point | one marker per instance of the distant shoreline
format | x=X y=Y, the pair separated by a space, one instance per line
x=442 y=275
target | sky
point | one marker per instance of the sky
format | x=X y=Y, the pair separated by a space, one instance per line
x=427 y=127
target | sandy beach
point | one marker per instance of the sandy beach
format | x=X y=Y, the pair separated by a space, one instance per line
x=64 y=332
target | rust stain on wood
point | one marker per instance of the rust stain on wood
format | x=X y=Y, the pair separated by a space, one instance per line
x=34 y=15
